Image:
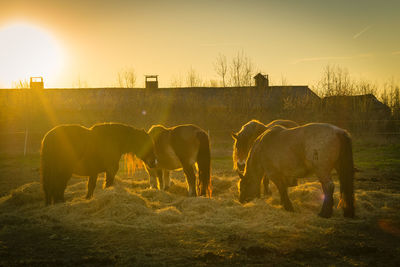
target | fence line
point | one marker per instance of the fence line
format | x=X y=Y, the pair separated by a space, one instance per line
x=230 y=129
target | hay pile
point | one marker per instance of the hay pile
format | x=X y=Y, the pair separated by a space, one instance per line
x=167 y=221
x=130 y=202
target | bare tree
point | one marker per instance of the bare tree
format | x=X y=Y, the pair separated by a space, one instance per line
x=213 y=83
x=221 y=68
x=336 y=81
x=79 y=83
x=126 y=78
x=193 y=78
x=390 y=95
x=21 y=84
x=364 y=87
x=284 y=81
x=241 y=70
x=236 y=69
x=176 y=81
x=247 y=72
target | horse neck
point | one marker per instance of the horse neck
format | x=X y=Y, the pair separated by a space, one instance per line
x=257 y=132
x=261 y=128
x=129 y=141
x=253 y=167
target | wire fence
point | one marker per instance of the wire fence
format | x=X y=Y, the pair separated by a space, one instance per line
x=28 y=142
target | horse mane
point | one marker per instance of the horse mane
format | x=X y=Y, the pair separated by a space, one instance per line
x=157 y=126
x=246 y=130
x=284 y=123
x=273 y=131
x=252 y=124
x=120 y=130
x=156 y=130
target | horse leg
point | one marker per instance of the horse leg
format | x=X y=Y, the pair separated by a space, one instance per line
x=267 y=191
x=160 y=179
x=91 y=185
x=191 y=179
x=285 y=201
x=48 y=194
x=59 y=187
x=110 y=174
x=166 y=179
x=152 y=177
x=47 y=198
x=110 y=177
x=328 y=187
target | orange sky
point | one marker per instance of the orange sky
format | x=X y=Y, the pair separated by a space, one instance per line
x=93 y=40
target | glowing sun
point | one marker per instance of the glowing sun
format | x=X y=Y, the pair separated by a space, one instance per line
x=26 y=51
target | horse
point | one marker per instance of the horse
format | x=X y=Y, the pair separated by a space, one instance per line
x=286 y=154
x=244 y=139
x=181 y=147
x=74 y=149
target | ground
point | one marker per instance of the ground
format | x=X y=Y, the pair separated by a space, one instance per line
x=131 y=224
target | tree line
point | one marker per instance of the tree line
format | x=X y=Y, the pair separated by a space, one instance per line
x=239 y=71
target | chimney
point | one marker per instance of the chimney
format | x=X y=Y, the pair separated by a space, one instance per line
x=261 y=81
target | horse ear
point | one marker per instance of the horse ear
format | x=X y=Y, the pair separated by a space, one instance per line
x=240 y=174
x=234 y=135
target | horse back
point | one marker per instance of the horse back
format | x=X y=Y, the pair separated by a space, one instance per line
x=319 y=144
x=300 y=150
x=107 y=143
x=284 y=123
x=186 y=142
x=176 y=144
x=277 y=148
x=65 y=141
x=108 y=137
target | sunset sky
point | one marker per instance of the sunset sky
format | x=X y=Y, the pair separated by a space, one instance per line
x=91 y=41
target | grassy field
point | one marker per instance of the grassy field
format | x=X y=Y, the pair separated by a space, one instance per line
x=130 y=224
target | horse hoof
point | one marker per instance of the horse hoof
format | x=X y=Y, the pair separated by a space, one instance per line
x=192 y=195
x=289 y=208
x=325 y=214
x=268 y=193
x=348 y=213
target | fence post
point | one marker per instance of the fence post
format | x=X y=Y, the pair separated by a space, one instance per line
x=26 y=141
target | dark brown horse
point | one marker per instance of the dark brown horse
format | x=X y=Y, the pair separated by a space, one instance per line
x=181 y=147
x=73 y=149
x=286 y=154
x=245 y=138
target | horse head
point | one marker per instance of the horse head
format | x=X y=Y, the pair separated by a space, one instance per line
x=146 y=151
x=248 y=188
x=240 y=151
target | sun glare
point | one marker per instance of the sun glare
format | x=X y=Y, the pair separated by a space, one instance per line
x=26 y=51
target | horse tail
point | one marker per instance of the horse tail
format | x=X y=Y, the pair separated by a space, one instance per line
x=204 y=163
x=346 y=174
x=46 y=169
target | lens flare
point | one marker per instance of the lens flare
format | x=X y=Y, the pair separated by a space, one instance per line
x=25 y=51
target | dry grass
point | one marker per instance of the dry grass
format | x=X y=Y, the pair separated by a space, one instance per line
x=131 y=223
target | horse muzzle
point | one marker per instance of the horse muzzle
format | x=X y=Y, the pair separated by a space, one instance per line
x=240 y=165
x=152 y=163
x=244 y=200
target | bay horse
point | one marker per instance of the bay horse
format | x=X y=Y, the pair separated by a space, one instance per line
x=244 y=139
x=74 y=149
x=285 y=154
x=181 y=147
